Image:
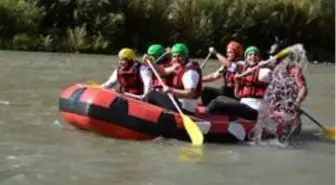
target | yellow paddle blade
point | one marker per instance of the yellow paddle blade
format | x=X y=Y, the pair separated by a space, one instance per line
x=193 y=130
x=92 y=83
x=283 y=53
x=330 y=133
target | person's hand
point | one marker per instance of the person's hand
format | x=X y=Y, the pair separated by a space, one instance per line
x=212 y=50
x=144 y=59
x=166 y=89
x=175 y=65
x=168 y=50
x=262 y=63
x=298 y=103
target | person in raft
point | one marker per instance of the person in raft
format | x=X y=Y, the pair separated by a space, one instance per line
x=280 y=108
x=250 y=88
x=230 y=65
x=153 y=53
x=132 y=76
x=187 y=82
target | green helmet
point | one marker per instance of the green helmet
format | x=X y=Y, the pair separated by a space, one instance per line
x=155 y=50
x=251 y=49
x=180 y=48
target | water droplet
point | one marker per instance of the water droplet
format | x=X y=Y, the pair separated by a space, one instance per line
x=11 y=157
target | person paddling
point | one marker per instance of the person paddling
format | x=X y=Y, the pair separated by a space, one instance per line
x=280 y=108
x=186 y=85
x=153 y=53
x=250 y=88
x=132 y=76
x=230 y=65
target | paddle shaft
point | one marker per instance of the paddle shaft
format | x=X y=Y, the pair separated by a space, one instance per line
x=205 y=61
x=249 y=70
x=160 y=57
x=133 y=95
x=312 y=119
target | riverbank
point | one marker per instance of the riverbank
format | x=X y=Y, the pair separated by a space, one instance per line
x=100 y=26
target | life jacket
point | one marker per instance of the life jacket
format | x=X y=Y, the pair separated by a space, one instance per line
x=168 y=80
x=130 y=79
x=177 y=80
x=229 y=76
x=251 y=87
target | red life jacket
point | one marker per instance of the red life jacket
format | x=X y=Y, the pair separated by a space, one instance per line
x=130 y=79
x=177 y=80
x=229 y=76
x=251 y=87
x=168 y=80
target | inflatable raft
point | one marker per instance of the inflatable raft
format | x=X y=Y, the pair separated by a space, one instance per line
x=112 y=114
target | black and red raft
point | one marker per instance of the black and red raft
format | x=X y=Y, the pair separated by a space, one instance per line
x=112 y=114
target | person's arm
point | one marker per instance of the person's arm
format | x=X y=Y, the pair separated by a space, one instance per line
x=222 y=59
x=146 y=77
x=272 y=62
x=300 y=81
x=213 y=76
x=163 y=71
x=112 y=81
x=190 y=81
x=236 y=89
x=302 y=94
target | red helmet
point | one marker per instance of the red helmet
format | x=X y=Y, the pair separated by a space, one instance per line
x=236 y=47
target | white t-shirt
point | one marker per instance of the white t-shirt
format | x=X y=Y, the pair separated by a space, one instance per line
x=190 y=80
x=264 y=75
x=145 y=74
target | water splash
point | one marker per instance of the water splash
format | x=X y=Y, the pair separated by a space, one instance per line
x=279 y=113
x=3 y=102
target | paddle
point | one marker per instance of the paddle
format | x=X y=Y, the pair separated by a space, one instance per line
x=205 y=61
x=281 y=54
x=193 y=130
x=330 y=132
x=133 y=95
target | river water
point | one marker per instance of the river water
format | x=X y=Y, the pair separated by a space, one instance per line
x=38 y=147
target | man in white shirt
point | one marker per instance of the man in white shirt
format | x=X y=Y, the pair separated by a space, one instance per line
x=132 y=76
x=187 y=84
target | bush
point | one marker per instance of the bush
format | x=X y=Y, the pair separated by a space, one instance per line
x=104 y=26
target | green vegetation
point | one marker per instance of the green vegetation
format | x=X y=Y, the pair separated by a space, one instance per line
x=104 y=26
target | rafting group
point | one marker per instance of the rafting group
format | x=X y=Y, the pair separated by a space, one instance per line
x=251 y=88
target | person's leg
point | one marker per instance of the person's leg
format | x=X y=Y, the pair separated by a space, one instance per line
x=229 y=92
x=210 y=93
x=237 y=109
x=161 y=99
